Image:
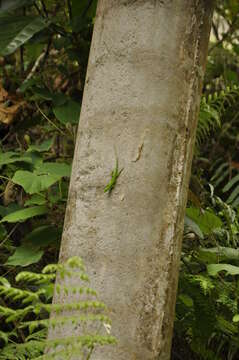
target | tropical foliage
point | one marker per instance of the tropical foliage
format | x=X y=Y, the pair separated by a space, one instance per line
x=206 y=325
x=43 y=57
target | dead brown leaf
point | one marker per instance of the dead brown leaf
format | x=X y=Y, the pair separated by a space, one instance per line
x=8 y=112
x=3 y=94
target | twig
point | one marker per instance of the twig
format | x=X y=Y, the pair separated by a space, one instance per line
x=5 y=137
x=8 y=235
x=140 y=149
x=18 y=141
x=5 y=178
x=215 y=30
x=39 y=61
x=49 y=120
x=90 y=353
x=34 y=68
x=87 y=7
x=230 y=32
x=38 y=9
x=22 y=60
x=47 y=51
x=44 y=8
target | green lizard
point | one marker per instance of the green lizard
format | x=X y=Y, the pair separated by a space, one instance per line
x=114 y=176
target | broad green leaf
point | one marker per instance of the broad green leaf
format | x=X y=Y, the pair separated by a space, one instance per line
x=186 y=300
x=3 y=232
x=54 y=169
x=43 y=236
x=25 y=214
x=9 y=5
x=2 y=211
x=55 y=197
x=26 y=84
x=192 y=226
x=33 y=183
x=5 y=210
x=11 y=157
x=36 y=199
x=36 y=157
x=206 y=221
x=68 y=112
x=18 y=30
x=25 y=256
x=6 y=157
x=235 y=318
x=33 y=50
x=42 y=93
x=44 y=146
x=207 y=256
x=58 y=98
x=214 y=269
x=219 y=253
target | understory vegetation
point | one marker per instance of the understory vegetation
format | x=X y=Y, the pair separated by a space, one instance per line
x=44 y=51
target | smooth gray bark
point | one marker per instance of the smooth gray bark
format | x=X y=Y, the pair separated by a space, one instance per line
x=141 y=101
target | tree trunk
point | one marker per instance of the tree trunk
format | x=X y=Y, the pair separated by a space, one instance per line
x=141 y=102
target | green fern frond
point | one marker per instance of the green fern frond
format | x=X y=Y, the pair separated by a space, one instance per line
x=224 y=97
x=73 y=263
x=209 y=120
x=19 y=314
x=203 y=351
x=89 y=341
x=73 y=345
x=33 y=349
x=63 y=320
x=17 y=294
x=206 y=284
x=200 y=288
x=211 y=110
x=226 y=327
x=233 y=185
x=221 y=172
x=74 y=290
x=83 y=313
x=27 y=351
x=5 y=311
x=81 y=305
x=37 y=279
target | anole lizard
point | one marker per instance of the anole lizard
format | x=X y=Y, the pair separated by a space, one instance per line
x=114 y=176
